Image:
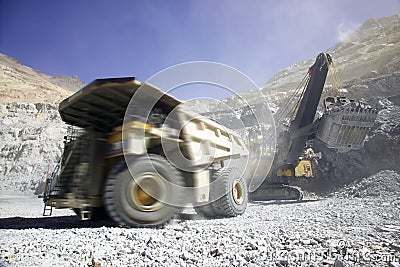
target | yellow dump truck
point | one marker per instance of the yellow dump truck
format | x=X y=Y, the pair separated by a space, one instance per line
x=134 y=154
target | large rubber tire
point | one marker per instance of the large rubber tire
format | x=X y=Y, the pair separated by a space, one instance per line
x=228 y=193
x=128 y=204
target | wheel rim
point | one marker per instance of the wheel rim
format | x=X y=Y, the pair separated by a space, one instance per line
x=238 y=192
x=147 y=191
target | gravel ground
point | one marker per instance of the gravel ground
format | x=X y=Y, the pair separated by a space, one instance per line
x=313 y=232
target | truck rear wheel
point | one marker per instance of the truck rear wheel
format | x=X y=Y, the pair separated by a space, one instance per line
x=229 y=184
x=141 y=195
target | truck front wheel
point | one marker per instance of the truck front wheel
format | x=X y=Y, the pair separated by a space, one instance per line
x=229 y=193
x=144 y=194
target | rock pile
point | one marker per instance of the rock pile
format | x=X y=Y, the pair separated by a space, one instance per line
x=383 y=184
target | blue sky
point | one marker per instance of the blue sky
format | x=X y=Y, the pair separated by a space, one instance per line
x=94 y=39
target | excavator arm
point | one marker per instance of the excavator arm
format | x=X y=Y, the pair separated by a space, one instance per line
x=291 y=148
x=303 y=122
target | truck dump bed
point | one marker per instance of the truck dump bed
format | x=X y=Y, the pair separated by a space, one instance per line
x=101 y=105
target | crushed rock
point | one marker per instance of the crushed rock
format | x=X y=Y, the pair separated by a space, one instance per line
x=382 y=184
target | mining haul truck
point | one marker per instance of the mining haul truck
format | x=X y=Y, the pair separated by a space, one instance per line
x=143 y=168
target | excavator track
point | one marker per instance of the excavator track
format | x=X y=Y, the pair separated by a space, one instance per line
x=277 y=192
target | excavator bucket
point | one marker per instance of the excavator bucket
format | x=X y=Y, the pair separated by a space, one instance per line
x=345 y=123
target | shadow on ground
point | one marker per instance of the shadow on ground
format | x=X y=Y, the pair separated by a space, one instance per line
x=69 y=222
x=285 y=202
x=60 y=222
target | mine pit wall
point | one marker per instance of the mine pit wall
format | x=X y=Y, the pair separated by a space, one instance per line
x=31 y=141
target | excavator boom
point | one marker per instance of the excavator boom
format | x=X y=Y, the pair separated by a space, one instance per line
x=301 y=125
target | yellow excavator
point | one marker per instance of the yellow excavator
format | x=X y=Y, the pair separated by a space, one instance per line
x=343 y=126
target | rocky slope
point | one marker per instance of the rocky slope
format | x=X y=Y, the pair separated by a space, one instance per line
x=19 y=83
x=31 y=138
x=31 y=131
x=370 y=52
